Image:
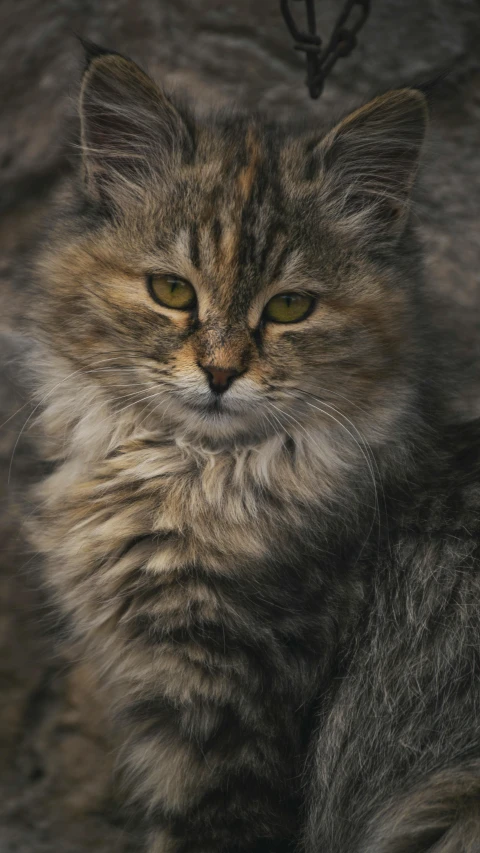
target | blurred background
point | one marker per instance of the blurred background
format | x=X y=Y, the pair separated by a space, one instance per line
x=55 y=750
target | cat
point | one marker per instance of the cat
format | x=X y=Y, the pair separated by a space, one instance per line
x=249 y=520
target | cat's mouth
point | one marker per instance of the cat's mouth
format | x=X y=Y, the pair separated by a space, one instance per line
x=214 y=405
x=217 y=411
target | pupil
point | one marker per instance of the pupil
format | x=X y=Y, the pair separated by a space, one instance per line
x=288 y=300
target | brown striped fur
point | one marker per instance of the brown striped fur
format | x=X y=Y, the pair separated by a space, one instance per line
x=207 y=555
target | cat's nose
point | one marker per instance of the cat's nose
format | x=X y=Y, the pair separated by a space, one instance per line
x=219 y=378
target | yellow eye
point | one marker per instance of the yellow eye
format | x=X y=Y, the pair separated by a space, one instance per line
x=289 y=307
x=172 y=292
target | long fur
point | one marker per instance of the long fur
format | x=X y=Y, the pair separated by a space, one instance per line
x=273 y=588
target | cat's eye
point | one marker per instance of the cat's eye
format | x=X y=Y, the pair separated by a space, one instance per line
x=172 y=292
x=289 y=307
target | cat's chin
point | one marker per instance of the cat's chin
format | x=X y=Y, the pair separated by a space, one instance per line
x=217 y=418
x=219 y=424
x=212 y=407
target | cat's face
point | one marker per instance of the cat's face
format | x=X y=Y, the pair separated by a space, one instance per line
x=232 y=277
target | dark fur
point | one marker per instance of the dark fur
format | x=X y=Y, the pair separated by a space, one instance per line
x=398 y=749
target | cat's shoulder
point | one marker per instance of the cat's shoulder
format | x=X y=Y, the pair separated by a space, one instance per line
x=446 y=495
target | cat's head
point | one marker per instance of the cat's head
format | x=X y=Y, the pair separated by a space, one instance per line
x=235 y=277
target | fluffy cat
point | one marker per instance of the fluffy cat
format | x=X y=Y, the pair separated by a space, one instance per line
x=250 y=521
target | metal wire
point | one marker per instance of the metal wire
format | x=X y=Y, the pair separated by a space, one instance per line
x=320 y=60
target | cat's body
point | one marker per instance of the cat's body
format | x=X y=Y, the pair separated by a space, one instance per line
x=209 y=621
x=398 y=752
x=224 y=515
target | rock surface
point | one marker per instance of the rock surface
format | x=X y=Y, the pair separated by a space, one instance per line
x=55 y=756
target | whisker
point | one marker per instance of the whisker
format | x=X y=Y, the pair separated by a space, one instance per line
x=70 y=376
x=335 y=394
x=162 y=412
x=362 y=439
x=133 y=393
x=272 y=426
x=137 y=402
x=17 y=412
x=277 y=421
x=365 y=444
x=368 y=455
x=376 y=504
x=84 y=371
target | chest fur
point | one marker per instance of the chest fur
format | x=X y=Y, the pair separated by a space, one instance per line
x=160 y=542
x=213 y=509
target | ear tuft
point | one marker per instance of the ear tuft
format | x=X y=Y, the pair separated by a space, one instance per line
x=369 y=162
x=130 y=129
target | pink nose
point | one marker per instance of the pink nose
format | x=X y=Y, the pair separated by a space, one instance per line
x=219 y=378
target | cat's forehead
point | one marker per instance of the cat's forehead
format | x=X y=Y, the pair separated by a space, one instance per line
x=236 y=225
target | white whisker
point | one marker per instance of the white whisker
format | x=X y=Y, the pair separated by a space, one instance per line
x=137 y=402
x=370 y=469
x=362 y=439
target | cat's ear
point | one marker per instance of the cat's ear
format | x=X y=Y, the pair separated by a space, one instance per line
x=369 y=162
x=128 y=125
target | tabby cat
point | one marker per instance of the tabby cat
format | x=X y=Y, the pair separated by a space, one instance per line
x=257 y=524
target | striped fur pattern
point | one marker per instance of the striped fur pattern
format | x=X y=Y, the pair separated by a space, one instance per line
x=211 y=556
x=400 y=735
